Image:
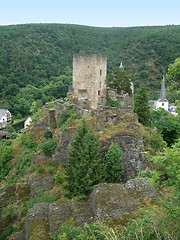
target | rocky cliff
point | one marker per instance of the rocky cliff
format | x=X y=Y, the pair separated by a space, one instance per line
x=34 y=202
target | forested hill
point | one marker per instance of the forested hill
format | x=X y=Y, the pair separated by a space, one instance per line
x=36 y=59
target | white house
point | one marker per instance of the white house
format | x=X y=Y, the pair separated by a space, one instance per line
x=27 y=122
x=162 y=102
x=5 y=118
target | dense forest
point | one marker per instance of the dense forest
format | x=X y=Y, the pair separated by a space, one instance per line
x=36 y=59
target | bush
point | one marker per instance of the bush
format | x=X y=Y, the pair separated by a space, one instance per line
x=5 y=157
x=66 y=116
x=48 y=134
x=8 y=231
x=42 y=196
x=92 y=231
x=49 y=147
x=58 y=177
x=40 y=170
x=145 y=173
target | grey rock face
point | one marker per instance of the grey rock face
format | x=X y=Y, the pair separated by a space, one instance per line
x=133 y=157
x=114 y=200
x=58 y=213
x=37 y=222
x=40 y=181
x=117 y=200
x=61 y=154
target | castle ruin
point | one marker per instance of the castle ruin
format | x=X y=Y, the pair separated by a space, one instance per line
x=89 y=80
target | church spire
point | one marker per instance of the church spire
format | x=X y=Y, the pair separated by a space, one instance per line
x=121 y=65
x=163 y=89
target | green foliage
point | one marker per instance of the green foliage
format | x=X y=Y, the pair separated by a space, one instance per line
x=8 y=231
x=145 y=173
x=84 y=167
x=39 y=67
x=141 y=106
x=42 y=196
x=10 y=128
x=40 y=169
x=112 y=103
x=167 y=164
x=23 y=165
x=5 y=157
x=119 y=80
x=48 y=134
x=28 y=140
x=114 y=164
x=92 y=231
x=50 y=169
x=67 y=116
x=49 y=147
x=58 y=178
x=166 y=124
x=173 y=78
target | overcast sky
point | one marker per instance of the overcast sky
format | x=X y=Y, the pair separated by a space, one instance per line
x=100 y=13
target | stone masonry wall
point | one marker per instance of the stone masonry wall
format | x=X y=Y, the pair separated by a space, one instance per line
x=89 y=78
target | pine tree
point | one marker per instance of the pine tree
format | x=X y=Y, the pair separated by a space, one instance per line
x=141 y=106
x=84 y=167
x=114 y=163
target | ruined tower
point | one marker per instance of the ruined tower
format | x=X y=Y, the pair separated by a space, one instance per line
x=89 y=79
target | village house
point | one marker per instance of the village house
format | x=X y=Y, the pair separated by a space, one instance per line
x=27 y=122
x=162 y=102
x=5 y=118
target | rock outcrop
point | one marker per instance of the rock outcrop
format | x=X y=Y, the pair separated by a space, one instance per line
x=106 y=200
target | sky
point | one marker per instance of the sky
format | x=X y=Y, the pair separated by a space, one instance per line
x=99 y=13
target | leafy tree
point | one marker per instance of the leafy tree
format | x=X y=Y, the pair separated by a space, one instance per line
x=119 y=80
x=114 y=163
x=141 y=106
x=166 y=124
x=167 y=167
x=84 y=167
x=173 y=77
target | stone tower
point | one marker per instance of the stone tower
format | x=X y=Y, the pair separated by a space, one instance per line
x=89 y=79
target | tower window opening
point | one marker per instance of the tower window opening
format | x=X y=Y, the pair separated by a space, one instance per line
x=100 y=72
x=98 y=93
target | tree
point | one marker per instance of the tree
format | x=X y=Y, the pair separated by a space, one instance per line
x=114 y=165
x=119 y=80
x=167 y=167
x=173 y=77
x=84 y=167
x=166 y=124
x=141 y=106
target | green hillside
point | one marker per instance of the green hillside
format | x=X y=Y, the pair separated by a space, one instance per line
x=36 y=59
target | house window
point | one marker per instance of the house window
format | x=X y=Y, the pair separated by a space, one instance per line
x=100 y=72
x=162 y=104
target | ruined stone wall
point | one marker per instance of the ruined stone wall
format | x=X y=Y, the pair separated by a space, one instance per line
x=89 y=78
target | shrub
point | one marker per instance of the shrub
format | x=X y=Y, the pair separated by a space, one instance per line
x=66 y=116
x=51 y=169
x=48 y=134
x=92 y=231
x=40 y=170
x=145 y=173
x=49 y=147
x=58 y=177
x=42 y=196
